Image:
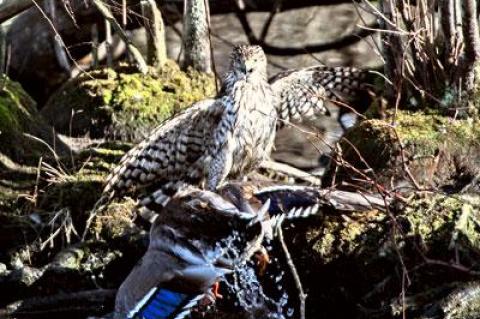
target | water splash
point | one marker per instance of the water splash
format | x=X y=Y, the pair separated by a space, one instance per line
x=247 y=288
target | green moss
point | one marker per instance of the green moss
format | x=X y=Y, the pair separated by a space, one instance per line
x=18 y=115
x=428 y=132
x=429 y=217
x=340 y=237
x=83 y=181
x=16 y=107
x=432 y=130
x=437 y=222
x=66 y=193
x=363 y=257
x=438 y=152
x=125 y=105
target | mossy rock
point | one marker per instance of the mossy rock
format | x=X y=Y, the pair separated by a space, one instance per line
x=353 y=266
x=85 y=180
x=419 y=151
x=116 y=103
x=18 y=115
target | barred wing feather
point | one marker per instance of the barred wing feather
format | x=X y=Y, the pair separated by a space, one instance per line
x=173 y=151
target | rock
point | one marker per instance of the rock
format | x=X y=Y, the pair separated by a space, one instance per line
x=18 y=115
x=353 y=266
x=438 y=151
x=121 y=105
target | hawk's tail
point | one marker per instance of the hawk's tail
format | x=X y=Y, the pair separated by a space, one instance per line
x=152 y=204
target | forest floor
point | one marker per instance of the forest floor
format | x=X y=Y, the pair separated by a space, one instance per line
x=419 y=258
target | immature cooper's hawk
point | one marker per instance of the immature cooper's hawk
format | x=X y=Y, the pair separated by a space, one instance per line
x=211 y=140
x=229 y=135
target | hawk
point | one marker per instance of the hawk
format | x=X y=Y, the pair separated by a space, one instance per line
x=213 y=139
x=230 y=135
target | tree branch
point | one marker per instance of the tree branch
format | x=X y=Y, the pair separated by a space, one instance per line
x=301 y=293
x=137 y=56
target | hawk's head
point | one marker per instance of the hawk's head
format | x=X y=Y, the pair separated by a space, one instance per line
x=248 y=61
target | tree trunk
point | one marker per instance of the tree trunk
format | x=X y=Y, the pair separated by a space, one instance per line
x=196 y=37
x=157 y=47
x=472 y=44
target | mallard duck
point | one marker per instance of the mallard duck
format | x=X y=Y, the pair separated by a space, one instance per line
x=196 y=239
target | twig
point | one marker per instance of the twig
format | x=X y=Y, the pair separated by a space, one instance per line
x=291 y=171
x=406 y=169
x=58 y=38
x=37 y=181
x=136 y=55
x=301 y=294
x=52 y=150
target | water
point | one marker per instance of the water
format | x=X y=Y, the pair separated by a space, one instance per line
x=247 y=289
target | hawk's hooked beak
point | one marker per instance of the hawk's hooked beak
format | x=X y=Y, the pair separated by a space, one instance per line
x=246 y=67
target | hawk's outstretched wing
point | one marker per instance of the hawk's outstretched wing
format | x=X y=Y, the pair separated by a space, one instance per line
x=304 y=93
x=173 y=152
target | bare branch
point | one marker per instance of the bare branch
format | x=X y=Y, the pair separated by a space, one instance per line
x=60 y=53
x=137 y=56
x=301 y=293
